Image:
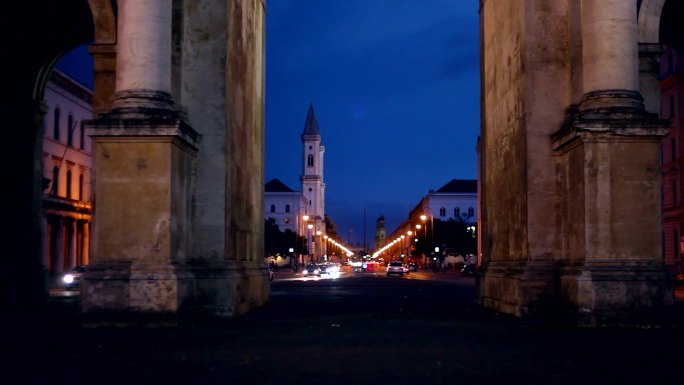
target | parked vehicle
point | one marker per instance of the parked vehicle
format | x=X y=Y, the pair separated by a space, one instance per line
x=469 y=269
x=395 y=267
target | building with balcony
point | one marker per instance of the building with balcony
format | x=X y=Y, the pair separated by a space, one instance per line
x=67 y=175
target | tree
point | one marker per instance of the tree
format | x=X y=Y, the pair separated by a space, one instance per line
x=331 y=227
x=280 y=242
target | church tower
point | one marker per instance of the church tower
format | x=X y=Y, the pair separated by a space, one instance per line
x=380 y=232
x=313 y=187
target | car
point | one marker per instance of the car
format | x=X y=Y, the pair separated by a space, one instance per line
x=469 y=269
x=311 y=269
x=395 y=267
x=72 y=279
x=325 y=268
x=413 y=266
x=406 y=269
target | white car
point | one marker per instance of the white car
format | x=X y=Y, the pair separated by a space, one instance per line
x=395 y=267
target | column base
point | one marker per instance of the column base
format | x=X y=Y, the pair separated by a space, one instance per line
x=521 y=288
x=618 y=293
x=164 y=293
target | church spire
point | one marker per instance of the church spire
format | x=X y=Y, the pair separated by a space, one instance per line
x=311 y=125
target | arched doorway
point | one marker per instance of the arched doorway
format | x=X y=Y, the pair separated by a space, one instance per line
x=45 y=31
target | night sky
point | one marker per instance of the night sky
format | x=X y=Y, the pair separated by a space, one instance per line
x=395 y=87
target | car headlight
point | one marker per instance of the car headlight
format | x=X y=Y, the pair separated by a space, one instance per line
x=316 y=271
x=68 y=278
x=305 y=272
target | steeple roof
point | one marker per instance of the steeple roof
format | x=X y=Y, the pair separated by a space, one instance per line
x=459 y=186
x=311 y=125
x=276 y=185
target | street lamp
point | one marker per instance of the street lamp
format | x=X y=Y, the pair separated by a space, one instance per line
x=318 y=244
x=401 y=249
x=310 y=240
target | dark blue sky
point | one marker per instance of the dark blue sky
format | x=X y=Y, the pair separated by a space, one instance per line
x=395 y=87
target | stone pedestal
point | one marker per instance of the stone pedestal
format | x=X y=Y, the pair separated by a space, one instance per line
x=141 y=263
x=608 y=173
x=522 y=288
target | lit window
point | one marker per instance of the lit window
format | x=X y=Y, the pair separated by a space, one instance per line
x=68 y=184
x=80 y=187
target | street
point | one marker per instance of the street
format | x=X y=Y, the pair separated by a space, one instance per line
x=359 y=328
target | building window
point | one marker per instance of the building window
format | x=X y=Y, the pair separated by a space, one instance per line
x=82 y=137
x=676 y=244
x=68 y=184
x=287 y=208
x=442 y=212
x=55 y=133
x=310 y=161
x=272 y=208
x=70 y=130
x=457 y=212
x=80 y=187
x=55 y=180
x=471 y=211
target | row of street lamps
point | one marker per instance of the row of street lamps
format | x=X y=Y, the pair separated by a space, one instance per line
x=399 y=240
x=322 y=247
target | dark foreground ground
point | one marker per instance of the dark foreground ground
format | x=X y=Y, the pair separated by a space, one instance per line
x=363 y=329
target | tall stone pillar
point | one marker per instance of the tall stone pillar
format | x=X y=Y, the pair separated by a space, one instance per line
x=144 y=153
x=72 y=233
x=86 y=243
x=608 y=164
x=58 y=256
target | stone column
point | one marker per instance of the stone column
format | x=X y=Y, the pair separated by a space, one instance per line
x=86 y=242
x=143 y=160
x=72 y=242
x=608 y=175
x=610 y=66
x=143 y=60
x=58 y=256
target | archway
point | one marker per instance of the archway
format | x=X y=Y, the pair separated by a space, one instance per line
x=597 y=257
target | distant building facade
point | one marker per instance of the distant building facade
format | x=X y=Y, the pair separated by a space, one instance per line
x=67 y=165
x=297 y=210
x=672 y=105
x=285 y=206
x=380 y=232
x=313 y=186
x=455 y=200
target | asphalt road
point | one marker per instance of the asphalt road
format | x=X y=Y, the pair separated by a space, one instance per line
x=356 y=329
